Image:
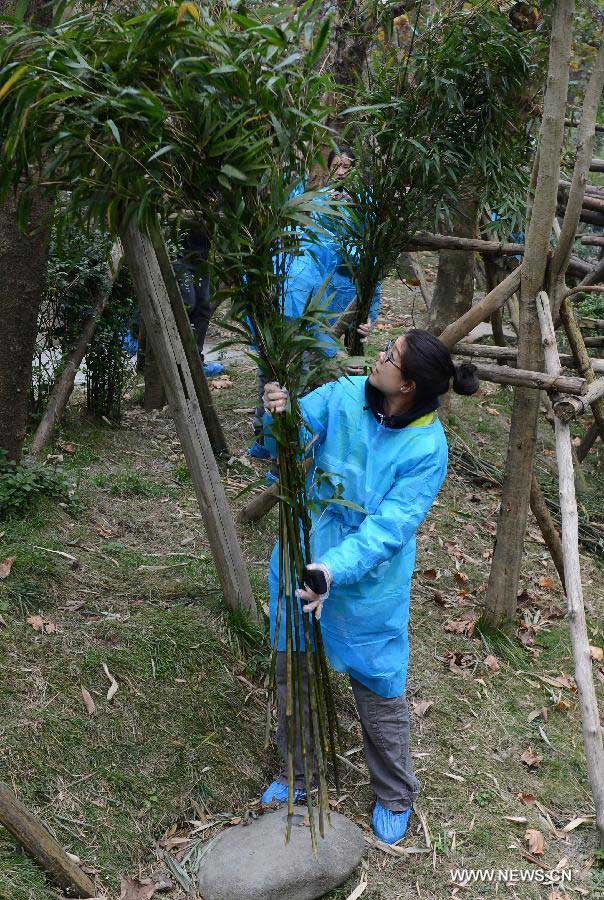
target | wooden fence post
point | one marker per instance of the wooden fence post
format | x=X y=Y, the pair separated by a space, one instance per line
x=590 y=714
x=41 y=845
x=164 y=335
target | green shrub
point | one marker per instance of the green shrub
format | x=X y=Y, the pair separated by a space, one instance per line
x=22 y=484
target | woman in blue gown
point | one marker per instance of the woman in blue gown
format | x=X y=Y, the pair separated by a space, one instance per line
x=382 y=443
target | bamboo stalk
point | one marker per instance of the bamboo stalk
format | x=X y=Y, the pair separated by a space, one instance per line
x=592 y=730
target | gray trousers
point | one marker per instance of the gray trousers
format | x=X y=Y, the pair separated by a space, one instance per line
x=386 y=728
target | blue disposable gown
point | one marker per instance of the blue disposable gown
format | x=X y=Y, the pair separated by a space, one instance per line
x=394 y=474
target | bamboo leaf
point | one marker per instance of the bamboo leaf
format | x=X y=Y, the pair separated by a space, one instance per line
x=17 y=74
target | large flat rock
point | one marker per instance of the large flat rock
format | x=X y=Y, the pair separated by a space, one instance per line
x=253 y=862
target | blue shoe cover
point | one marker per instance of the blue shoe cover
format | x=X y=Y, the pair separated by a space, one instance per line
x=258 y=451
x=212 y=368
x=271 y=478
x=277 y=791
x=389 y=826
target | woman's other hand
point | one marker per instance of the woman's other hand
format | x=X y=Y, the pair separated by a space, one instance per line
x=274 y=398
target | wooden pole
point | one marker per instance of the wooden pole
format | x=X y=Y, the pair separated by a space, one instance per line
x=424 y=240
x=579 y=346
x=204 y=395
x=259 y=505
x=495 y=299
x=510 y=354
x=590 y=714
x=63 y=386
x=571 y=123
x=31 y=834
x=567 y=408
x=163 y=333
x=587 y=442
x=504 y=576
x=528 y=378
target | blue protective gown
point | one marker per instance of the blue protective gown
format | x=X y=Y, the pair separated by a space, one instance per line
x=394 y=474
x=321 y=262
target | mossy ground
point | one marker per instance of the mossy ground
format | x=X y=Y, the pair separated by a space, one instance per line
x=182 y=740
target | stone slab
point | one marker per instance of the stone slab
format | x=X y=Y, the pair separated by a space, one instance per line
x=253 y=862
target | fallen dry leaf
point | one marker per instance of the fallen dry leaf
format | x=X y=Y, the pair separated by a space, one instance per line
x=546 y=582
x=530 y=758
x=492 y=662
x=535 y=841
x=562 y=705
x=575 y=823
x=88 y=701
x=556 y=895
x=36 y=622
x=223 y=381
x=6 y=566
x=438 y=598
x=104 y=532
x=465 y=625
x=461 y=578
x=67 y=447
x=421 y=707
x=40 y=624
x=114 y=687
x=597 y=653
x=137 y=889
x=430 y=574
x=526 y=635
x=527 y=799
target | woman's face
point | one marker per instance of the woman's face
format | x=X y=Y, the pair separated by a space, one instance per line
x=386 y=374
x=340 y=167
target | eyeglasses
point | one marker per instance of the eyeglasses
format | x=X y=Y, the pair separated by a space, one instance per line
x=388 y=357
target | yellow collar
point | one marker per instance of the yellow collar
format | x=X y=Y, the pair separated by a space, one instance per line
x=428 y=419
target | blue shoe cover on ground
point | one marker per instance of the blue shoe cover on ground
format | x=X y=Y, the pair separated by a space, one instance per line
x=258 y=451
x=389 y=826
x=277 y=791
x=212 y=368
x=271 y=478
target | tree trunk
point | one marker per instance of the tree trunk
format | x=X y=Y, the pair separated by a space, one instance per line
x=502 y=591
x=63 y=386
x=23 y=261
x=454 y=288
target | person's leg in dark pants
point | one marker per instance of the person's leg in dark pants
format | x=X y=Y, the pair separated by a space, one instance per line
x=386 y=731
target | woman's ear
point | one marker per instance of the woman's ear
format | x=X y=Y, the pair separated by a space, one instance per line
x=407 y=387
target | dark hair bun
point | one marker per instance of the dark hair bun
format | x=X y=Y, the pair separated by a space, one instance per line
x=465 y=380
